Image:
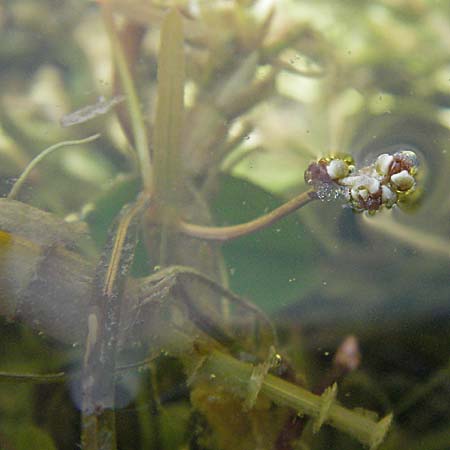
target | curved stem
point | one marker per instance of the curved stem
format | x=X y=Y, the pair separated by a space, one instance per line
x=235 y=231
x=37 y=159
x=175 y=274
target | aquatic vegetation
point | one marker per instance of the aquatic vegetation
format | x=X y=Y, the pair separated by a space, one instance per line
x=388 y=181
x=139 y=316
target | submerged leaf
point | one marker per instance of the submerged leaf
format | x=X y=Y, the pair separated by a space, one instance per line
x=169 y=108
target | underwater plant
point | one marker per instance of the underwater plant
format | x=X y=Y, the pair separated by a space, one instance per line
x=164 y=353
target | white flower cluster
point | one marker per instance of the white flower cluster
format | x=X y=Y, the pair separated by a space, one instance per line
x=382 y=184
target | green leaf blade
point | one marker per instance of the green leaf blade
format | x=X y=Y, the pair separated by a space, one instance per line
x=169 y=109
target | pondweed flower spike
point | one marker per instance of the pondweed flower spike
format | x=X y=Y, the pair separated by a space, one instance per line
x=385 y=183
x=388 y=181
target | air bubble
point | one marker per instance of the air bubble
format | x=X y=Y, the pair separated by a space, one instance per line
x=328 y=192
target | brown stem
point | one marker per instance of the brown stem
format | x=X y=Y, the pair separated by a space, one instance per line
x=235 y=231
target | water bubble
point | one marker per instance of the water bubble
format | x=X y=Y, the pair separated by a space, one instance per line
x=328 y=192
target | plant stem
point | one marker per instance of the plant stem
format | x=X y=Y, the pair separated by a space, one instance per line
x=134 y=109
x=236 y=374
x=235 y=231
x=59 y=377
x=37 y=159
x=98 y=384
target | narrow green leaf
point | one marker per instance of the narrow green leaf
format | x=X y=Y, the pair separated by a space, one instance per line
x=98 y=419
x=134 y=108
x=169 y=109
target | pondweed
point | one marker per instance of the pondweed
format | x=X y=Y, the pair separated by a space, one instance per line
x=136 y=281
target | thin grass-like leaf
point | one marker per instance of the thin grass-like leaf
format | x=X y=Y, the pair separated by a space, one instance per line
x=59 y=377
x=169 y=109
x=129 y=89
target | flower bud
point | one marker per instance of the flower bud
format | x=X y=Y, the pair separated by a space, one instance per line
x=383 y=164
x=403 y=181
x=388 y=197
x=337 y=168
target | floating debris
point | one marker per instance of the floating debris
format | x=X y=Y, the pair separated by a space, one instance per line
x=86 y=113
